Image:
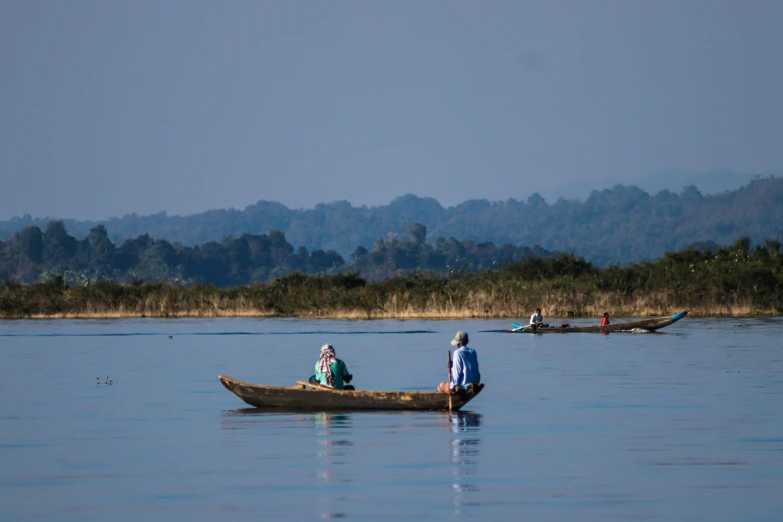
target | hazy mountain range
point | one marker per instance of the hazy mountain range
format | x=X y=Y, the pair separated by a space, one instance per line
x=620 y=224
x=708 y=183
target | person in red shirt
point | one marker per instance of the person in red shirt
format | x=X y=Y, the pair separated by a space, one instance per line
x=605 y=320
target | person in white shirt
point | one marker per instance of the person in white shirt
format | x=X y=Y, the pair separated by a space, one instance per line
x=537 y=319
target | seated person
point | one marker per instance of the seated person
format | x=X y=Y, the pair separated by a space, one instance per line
x=465 y=368
x=537 y=319
x=605 y=320
x=331 y=371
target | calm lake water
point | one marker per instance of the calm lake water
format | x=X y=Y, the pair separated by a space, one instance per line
x=684 y=425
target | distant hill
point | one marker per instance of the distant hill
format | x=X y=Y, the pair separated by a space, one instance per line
x=708 y=183
x=615 y=225
x=578 y=191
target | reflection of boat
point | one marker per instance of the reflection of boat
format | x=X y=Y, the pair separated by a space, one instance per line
x=644 y=325
x=308 y=397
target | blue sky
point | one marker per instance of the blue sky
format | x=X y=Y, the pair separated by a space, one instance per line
x=111 y=107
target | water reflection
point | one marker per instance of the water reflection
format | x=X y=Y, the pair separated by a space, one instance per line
x=332 y=453
x=332 y=440
x=465 y=442
x=333 y=432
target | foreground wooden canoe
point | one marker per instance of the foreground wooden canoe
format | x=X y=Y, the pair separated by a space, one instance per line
x=321 y=398
x=644 y=325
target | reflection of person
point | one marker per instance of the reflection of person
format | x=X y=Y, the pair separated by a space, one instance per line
x=464 y=421
x=537 y=319
x=331 y=371
x=465 y=443
x=465 y=368
x=334 y=439
x=605 y=320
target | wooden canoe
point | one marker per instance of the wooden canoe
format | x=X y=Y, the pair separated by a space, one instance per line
x=644 y=325
x=319 y=398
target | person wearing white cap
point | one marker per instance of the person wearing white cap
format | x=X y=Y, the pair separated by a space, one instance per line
x=465 y=368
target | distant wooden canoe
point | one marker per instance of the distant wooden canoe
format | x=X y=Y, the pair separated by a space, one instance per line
x=644 y=325
x=319 y=398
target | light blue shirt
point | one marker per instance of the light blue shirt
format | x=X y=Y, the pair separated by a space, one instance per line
x=465 y=368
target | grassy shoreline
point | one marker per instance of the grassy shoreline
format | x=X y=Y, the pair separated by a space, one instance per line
x=400 y=307
x=356 y=315
x=733 y=282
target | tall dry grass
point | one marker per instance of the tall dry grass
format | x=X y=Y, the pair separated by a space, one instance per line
x=514 y=293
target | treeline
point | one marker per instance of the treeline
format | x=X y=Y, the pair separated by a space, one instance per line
x=735 y=280
x=33 y=255
x=615 y=226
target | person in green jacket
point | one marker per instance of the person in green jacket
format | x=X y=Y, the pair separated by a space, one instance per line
x=331 y=371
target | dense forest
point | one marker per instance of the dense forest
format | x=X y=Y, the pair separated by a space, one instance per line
x=32 y=255
x=736 y=280
x=615 y=226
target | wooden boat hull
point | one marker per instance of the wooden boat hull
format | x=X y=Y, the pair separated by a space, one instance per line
x=644 y=325
x=301 y=398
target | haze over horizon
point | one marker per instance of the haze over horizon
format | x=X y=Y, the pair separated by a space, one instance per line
x=115 y=108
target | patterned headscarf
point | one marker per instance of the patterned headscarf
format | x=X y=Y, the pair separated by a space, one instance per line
x=325 y=363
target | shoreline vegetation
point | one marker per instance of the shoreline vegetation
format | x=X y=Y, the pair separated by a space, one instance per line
x=733 y=281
